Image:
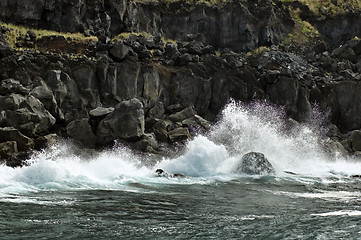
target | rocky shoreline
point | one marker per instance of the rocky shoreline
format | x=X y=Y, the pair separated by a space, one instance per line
x=150 y=93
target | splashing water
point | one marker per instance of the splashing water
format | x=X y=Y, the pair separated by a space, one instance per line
x=256 y=127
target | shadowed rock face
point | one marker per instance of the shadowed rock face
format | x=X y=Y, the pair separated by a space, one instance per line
x=255 y=163
x=238 y=26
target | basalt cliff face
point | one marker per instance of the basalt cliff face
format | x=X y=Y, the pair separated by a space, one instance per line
x=149 y=92
x=239 y=25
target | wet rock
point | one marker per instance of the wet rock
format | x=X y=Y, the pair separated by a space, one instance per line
x=147 y=143
x=126 y=122
x=196 y=124
x=24 y=143
x=160 y=130
x=356 y=140
x=8 y=149
x=46 y=141
x=255 y=163
x=336 y=149
x=81 y=132
x=179 y=134
x=162 y=173
x=182 y=115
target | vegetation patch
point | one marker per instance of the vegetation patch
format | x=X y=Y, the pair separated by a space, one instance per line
x=19 y=37
x=303 y=31
x=330 y=7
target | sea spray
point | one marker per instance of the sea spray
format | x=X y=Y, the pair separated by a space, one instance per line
x=262 y=127
x=258 y=127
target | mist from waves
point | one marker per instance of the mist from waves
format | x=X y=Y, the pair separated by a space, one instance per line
x=242 y=128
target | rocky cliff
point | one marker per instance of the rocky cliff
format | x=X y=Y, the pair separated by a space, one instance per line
x=239 y=25
x=149 y=92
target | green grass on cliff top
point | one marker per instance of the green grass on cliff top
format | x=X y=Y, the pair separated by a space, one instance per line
x=16 y=33
x=330 y=7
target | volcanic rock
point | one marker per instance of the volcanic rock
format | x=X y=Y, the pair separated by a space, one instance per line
x=126 y=122
x=255 y=163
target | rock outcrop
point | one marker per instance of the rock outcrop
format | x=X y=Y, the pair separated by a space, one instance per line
x=150 y=92
x=255 y=163
x=238 y=26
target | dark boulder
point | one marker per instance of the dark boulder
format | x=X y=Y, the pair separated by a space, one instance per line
x=26 y=114
x=101 y=111
x=119 y=51
x=46 y=141
x=24 y=143
x=147 y=143
x=126 y=122
x=356 y=140
x=179 y=134
x=8 y=86
x=81 y=132
x=255 y=163
x=182 y=115
x=8 y=149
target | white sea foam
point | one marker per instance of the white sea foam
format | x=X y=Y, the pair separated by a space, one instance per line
x=214 y=157
x=339 y=213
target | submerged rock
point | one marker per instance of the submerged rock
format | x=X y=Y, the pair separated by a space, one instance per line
x=255 y=163
x=162 y=173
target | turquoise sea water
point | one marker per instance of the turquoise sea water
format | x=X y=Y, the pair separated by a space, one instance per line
x=114 y=195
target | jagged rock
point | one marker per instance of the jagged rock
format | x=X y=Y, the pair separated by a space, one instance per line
x=84 y=76
x=119 y=51
x=126 y=122
x=174 y=108
x=345 y=53
x=53 y=79
x=182 y=115
x=12 y=134
x=81 y=132
x=8 y=86
x=255 y=163
x=127 y=78
x=356 y=140
x=101 y=111
x=196 y=123
x=46 y=141
x=171 y=49
x=8 y=149
x=157 y=111
x=26 y=113
x=185 y=58
x=151 y=81
x=160 y=130
x=179 y=134
x=45 y=95
x=145 y=54
x=30 y=36
x=147 y=143
x=336 y=149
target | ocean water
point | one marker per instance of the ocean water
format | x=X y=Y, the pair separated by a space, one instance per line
x=117 y=195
